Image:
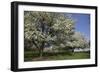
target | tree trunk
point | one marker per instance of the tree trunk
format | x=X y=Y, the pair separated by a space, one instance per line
x=41 y=50
x=72 y=50
x=42 y=44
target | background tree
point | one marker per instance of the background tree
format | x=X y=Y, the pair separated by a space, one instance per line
x=47 y=28
x=79 y=41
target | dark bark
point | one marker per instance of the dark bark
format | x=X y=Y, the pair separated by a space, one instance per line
x=43 y=43
x=72 y=50
x=41 y=49
x=36 y=45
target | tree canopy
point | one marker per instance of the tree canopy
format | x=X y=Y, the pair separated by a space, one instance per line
x=43 y=29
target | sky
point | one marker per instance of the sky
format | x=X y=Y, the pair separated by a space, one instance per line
x=82 y=23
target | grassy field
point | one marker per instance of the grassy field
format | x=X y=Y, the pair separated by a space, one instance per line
x=30 y=56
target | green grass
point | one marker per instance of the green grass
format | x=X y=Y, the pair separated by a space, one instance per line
x=30 y=56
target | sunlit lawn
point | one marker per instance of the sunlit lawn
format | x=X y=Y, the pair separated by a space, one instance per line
x=34 y=56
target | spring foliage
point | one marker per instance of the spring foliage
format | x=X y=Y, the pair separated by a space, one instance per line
x=43 y=29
